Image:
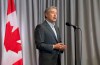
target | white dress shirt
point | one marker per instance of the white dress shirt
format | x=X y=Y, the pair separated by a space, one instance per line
x=52 y=27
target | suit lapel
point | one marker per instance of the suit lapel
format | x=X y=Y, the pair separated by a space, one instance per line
x=50 y=29
x=57 y=32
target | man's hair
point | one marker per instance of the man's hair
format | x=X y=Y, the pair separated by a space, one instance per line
x=49 y=8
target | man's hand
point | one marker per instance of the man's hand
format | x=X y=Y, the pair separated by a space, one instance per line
x=62 y=47
x=59 y=46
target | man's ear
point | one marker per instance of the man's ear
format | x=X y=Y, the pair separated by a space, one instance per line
x=45 y=15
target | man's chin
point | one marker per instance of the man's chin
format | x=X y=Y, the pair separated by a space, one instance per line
x=54 y=20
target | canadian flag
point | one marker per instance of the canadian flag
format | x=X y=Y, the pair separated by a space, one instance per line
x=12 y=48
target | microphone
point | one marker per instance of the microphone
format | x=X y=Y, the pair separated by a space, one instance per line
x=76 y=28
x=68 y=24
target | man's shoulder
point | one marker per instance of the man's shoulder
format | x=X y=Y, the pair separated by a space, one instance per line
x=40 y=25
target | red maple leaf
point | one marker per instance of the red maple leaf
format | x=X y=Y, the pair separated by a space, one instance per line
x=11 y=39
x=19 y=62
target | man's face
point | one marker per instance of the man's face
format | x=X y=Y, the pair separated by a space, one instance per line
x=51 y=15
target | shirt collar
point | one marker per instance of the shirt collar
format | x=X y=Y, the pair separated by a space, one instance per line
x=51 y=24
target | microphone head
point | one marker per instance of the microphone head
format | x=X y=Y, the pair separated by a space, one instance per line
x=68 y=24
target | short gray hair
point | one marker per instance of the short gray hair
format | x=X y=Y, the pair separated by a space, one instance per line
x=49 y=8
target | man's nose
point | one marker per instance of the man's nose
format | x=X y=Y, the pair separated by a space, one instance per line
x=55 y=14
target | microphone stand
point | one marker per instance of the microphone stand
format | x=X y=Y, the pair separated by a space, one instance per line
x=75 y=44
x=75 y=30
x=75 y=39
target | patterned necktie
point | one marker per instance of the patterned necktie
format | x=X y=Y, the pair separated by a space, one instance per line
x=54 y=31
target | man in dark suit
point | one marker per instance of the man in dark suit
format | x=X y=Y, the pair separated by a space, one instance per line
x=48 y=39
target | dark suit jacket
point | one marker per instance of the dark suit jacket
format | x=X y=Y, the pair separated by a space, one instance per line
x=44 y=39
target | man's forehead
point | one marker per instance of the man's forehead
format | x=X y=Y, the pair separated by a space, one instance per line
x=52 y=10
